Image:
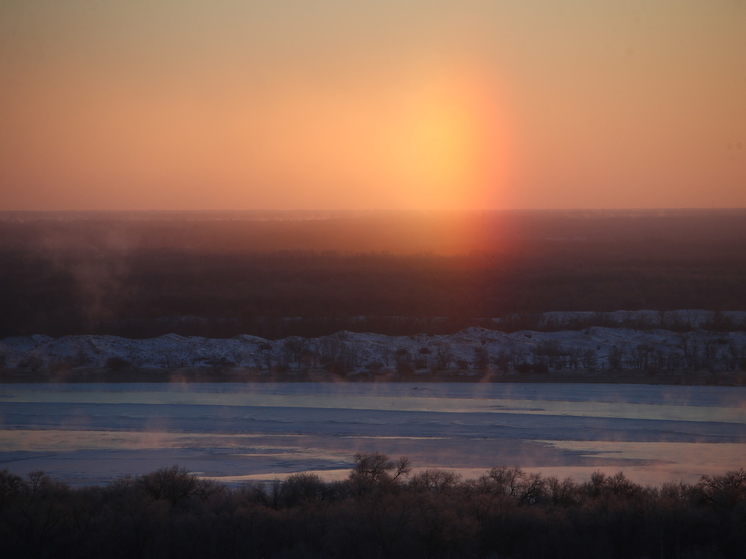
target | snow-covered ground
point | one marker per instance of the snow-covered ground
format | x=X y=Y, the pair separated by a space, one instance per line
x=474 y=348
x=89 y=433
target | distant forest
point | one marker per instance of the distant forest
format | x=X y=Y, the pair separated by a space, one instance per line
x=276 y=274
x=381 y=510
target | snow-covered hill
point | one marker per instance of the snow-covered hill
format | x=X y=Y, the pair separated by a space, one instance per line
x=474 y=348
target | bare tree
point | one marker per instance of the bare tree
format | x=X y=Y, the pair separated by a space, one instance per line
x=375 y=469
x=170 y=484
x=443 y=357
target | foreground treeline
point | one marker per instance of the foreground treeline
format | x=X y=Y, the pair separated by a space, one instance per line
x=380 y=511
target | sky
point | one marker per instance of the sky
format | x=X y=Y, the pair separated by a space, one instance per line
x=372 y=104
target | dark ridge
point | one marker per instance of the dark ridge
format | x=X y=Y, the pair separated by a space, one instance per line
x=219 y=274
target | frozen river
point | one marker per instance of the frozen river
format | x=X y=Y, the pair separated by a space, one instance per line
x=90 y=433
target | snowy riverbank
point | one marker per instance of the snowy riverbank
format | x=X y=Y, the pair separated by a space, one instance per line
x=594 y=348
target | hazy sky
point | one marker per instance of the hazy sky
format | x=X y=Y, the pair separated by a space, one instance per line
x=368 y=104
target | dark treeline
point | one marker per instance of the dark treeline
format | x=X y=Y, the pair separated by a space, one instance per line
x=380 y=511
x=276 y=295
x=274 y=278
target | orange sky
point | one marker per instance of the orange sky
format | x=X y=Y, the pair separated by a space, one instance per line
x=332 y=104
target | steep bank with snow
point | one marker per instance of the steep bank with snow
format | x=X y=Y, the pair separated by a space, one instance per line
x=595 y=348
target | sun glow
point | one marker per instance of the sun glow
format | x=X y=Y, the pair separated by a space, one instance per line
x=449 y=150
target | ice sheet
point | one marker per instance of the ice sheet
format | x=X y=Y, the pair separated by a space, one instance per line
x=90 y=433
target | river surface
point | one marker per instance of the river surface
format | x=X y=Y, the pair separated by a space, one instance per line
x=93 y=433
